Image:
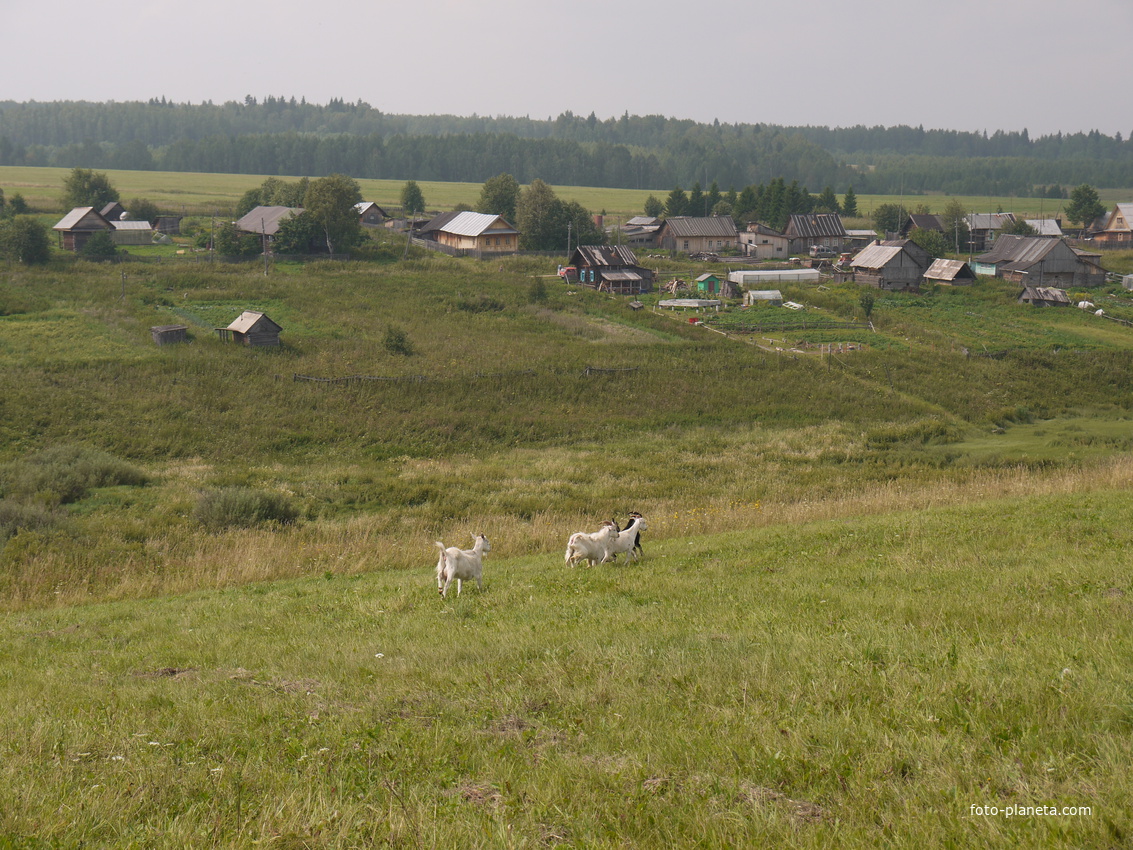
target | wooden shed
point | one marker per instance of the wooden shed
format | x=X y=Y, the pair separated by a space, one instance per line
x=251 y=328
x=1044 y=296
x=708 y=283
x=77 y=226
x=888 y=267
x=169 y=334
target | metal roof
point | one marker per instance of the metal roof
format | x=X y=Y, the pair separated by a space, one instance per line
x=469 y=223
x=815 y=225
x=131 y=225
x=1018 y=251
x=266 y=220
x=643 y=221
x=717 y=225
x=620 y=275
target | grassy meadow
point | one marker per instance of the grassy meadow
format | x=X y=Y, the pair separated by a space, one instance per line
x=882 y=585
x=207 y=194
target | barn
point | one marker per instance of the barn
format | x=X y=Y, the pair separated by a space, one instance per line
x=252 y=328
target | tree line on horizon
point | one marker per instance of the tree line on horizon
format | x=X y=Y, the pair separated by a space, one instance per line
x=281 y=136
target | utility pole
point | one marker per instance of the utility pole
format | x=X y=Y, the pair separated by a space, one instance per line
x=569 y=223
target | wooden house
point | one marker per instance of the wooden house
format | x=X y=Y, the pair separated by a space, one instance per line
x=889 y=267
x=815 y=230
x=1044 y=296
x=472 y=232
x=698 y=235
x=169 y=334
x=1040 y=261
x=77 y=226
x=251 y=328
x=640 y=231
x=1117 y=230
x=370 y=214
x=611 y=268
x=763 y=242
x=265 y=221
x=984 y=229
x=952 y=272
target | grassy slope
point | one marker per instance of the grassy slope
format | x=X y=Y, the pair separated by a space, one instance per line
x=856 y=682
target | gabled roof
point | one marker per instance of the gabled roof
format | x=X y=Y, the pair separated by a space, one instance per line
x=716 y=225
x=438 y=221
x=643 y=221
x=87 y=216
x=1019 y=252
x=876 y=256
x=249 y=319
x=266 y=219
x=131 y=225
x=1124 y=211
x=815 y=225
x=707 y=276
x=989 y=221
x=610 y=256
x=949 y=270
x=470 y=223
x=925 y=222
x=764 y=230
x=1044 y=293
x=364 y=207
x=1045 y=226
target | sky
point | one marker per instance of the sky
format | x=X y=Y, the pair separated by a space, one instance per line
x=972 y=65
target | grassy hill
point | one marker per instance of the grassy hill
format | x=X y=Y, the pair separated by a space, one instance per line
x=883 y=584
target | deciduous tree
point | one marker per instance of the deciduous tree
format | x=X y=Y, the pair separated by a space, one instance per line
x=498 y=196
x=330 y=202
x=86 y=188
x=412 y=198
x=23 y=239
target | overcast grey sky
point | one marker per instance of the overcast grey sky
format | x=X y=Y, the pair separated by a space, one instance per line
x=1044 y=65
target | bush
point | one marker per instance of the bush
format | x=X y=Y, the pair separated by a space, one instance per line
x=15 y=517
x=243 y=507
x=99 y=247
x=396 y=341
x=64 y=474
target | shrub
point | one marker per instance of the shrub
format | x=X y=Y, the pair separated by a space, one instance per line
x=396 y=341
x=15 y=516
x=99 y=247
x=64 y=474
x=244 y=507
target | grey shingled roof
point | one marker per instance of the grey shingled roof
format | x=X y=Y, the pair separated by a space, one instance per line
x=690 y=226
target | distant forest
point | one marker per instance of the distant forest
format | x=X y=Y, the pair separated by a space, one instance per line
x=285 y=137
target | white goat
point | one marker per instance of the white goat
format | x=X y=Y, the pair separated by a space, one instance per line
x=592 y=547
x=460 y=564
x=627 y=541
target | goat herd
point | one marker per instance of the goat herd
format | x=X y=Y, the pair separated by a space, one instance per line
x=597 y=547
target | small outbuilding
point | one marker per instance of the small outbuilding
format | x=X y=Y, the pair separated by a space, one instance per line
x=1044 y=296
x=169 y=334
x=954 y=272
x=889 y=267
x=252 y=328
x=708 y=283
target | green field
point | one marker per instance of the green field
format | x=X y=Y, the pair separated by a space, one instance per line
x=882 y=586
x=203 y=194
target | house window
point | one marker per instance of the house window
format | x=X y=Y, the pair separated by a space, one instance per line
x=686 y=244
